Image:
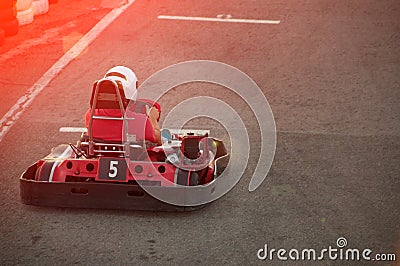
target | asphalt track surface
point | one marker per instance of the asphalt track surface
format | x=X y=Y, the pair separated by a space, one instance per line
x=330 y=71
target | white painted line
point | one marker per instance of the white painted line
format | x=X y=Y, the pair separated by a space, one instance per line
x=17 y=109
x=328 y=133
x=73 y=129
x=231 y=20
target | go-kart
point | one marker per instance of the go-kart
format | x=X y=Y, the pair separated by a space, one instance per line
x=115 y=174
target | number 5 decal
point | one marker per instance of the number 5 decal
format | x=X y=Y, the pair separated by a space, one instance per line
x=113 y=172
x=111 y=169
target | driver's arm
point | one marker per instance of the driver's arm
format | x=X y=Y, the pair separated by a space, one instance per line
x=153 y=114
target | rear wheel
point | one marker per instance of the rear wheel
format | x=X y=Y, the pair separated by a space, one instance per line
x=43 y=173
x=194 y=179
x=186 y=178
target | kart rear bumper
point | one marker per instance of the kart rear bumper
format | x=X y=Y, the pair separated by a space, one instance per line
x=95 y=195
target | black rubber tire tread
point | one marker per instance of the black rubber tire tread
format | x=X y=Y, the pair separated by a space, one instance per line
x=10 y=27
x=7 y=14
x=4 y=4
x=194 y=179
x=184 y=179
x=45 y=172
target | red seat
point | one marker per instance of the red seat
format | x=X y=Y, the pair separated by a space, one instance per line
x=111 y=130
x=107 y=116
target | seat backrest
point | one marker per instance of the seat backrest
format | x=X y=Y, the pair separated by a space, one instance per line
x=107 y=108
x=107 y=129
x=106 y=117
x=107 y=95
x=111 y=130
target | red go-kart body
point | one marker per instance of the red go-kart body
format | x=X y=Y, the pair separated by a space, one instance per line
x=98 y=173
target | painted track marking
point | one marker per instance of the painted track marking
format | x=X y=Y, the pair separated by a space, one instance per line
x=219 y=19
x=72 y=129
x=19 y=107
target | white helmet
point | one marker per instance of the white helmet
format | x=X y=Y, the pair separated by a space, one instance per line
x=128 y=79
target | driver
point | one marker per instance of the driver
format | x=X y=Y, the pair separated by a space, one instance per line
x=111 y=130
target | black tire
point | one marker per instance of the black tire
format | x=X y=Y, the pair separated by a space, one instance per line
x=37 y=174
x=194 y=179
x=4 y=4
x=182 y=177
x=10 y=27
x=186 y=178
x=46 y=170
x=8 y=14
